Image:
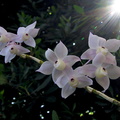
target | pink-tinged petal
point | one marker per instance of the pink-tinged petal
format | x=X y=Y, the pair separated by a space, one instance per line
x=113 y=71
x=61 y=50
x=2 y=45
x=112 y=45
x=2 y=31
x=88 y=70
x=110 y=59
x=70 y=60
x=11 y=36
x=5 y=50
x=50 y=55
x=69 y=71
x=104 y=82
x=89 y=54
x=31 y=26
x=56 y=74
x=62 y=81
x=93 y=41
x=33 y=32
x=21 y=50
x=102 y=42
x=9 y=57
x=21 y=31
x=30 y=42
x=99 y=59
x=67 y=90
x=84 y=81
x=46 y=68
x=18 y=39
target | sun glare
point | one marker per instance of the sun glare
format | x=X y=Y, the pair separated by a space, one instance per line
x=116 y=7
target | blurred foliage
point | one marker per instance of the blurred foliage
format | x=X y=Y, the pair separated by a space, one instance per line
x=26 y=94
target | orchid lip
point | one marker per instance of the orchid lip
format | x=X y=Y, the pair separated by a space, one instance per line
x=102 y=50
x=26 y=36
x=59 y=64
x=3 y=39
x=73 y=82
x=101 y=72
x=14 y=50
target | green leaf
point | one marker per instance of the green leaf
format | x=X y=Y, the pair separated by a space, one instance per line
x=38 y=40
x=2 y=68
x=3 y=79
x=118 y=37
x=78 y=9
x=51 y=99
x=54 y=115
x=74 y=106
x=1 y=94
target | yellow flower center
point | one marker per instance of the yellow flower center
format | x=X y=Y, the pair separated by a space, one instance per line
x=26 y=36
x=60 y=65
x=100 y=72
x=3 y=39
x=14 y=50
x=74 y=82
x=102 y=50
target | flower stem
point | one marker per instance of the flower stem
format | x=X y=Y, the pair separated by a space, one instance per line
x=31 y=57
x=112 y=100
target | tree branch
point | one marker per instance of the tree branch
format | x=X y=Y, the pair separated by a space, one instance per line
x=112 y=100
x=31 y=57
x=88 y=88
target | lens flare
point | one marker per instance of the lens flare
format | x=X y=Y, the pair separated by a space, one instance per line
x=116 y=7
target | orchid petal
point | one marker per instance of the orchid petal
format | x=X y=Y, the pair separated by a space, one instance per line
x=46 y=68
x=62 y=81
x=84 y=81
x=102 y=42
x=2 y=31
x=88 y=70
x=104 y=82
x=21 y=50
x=112 y=45
x=110 y=59
x=5 y=50
x=61 y=50
x=9 y=56
x=21 y=31
x=33 y=32
x=11 y=36
x=98 y=60
x=113 y=71
x=31 y=26
x=70 y=60
x=50 y=55
x=69 y=71
x=2 y=45
x=89 y=54
x=56 y=74
x=18 y=39
x=93 y=41
x=30 y=42
x=67 y=90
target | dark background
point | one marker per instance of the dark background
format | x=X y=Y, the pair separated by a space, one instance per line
x=26 y=94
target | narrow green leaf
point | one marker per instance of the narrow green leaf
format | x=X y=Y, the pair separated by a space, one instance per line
x=78 y=9
x=54 y=115
x=1 y=94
